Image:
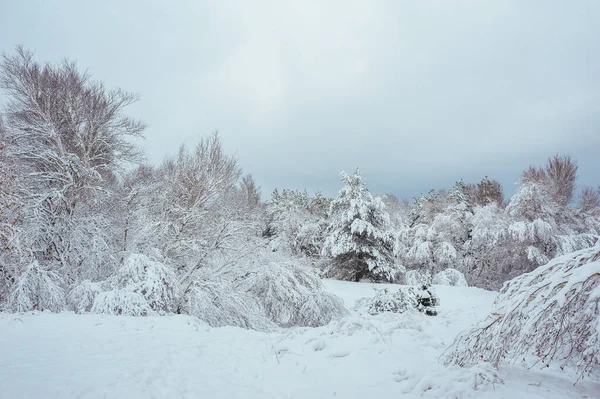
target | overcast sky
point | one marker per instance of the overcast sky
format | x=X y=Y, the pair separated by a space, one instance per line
x=418 y=94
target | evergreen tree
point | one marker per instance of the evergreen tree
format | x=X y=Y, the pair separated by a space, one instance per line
x=359 y=240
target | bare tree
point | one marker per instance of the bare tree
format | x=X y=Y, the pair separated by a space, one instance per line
x=589 y=199
x=486 y=192
x=562 y=174
x=70 y=138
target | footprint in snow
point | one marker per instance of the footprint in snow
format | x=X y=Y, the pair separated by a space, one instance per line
x=338 y=354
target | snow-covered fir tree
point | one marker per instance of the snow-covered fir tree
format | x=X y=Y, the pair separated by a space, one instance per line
x=358 y=236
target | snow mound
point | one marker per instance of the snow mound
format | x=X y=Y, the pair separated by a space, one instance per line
x=450 y=277
x=550 y=315
x=82 y=296
x=155 y=281
x=121 y=302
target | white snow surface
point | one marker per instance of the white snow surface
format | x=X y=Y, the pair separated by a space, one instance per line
x=68 y=355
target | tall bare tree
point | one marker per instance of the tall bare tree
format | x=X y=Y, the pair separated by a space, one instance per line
x=71 y=138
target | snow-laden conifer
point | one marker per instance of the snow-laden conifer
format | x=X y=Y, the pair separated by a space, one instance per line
x=358 y=236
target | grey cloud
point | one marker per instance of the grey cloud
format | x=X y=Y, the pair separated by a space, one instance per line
x=417 y=94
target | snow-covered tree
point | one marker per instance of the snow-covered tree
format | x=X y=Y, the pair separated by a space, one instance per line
x=11 y=250
x=194 y=214
x=549 y=315
x=440 y=229
x=155 y=281
x=485 y=192
x=490 y=253
x=82 y=296
x=451 y=277
x=541 y=222
x=70 y=139
x=295 y=222
x=36 y=289
x=289 y=291
x=358 y=236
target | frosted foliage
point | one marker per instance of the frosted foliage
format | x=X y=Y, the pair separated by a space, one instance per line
x=82 y=296
x=359 y=236
x=417 y=277
x=421 y=252
x=296 y=221
x=121 y=302
x=440 y=230
x=532 y=200
x=36 y=289
x=220 y=304
x=551 y=315
x=385 y=301
x=403 y=299
x=535 y=255
x=450 y=277
x=489 y=225
x=154 y=280
x=290 y=293
x=445 y=253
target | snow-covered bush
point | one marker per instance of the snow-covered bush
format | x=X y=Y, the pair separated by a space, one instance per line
x=385 y=301
x=36 y=289
x=551 y=314
x=417 y=277
x=121 y=302
x=290 y=293
x=405 y=298
x=219 y=304
x=155 y=281
x=82 y=296
x=450 y=277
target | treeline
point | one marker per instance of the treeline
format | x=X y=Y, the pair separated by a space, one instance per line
x=469 y=227
x=85 y=225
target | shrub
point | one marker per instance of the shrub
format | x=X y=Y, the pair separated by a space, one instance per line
x=155 y=281
x=36 y=289
x=417 y=277
x=82 y=296
x=450 y=277
x=219 y=304
x=121 y=302
x=405 y=298
x=290 y=293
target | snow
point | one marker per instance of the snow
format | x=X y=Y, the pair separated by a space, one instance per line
x=388 y=355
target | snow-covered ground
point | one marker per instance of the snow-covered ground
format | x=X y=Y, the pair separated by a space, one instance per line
x=44 y=355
